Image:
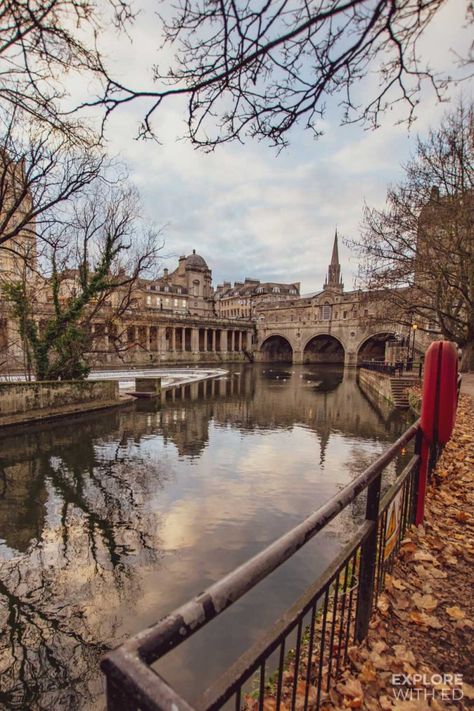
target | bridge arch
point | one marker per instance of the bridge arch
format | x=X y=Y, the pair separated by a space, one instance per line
x=276 y=349
x=324 y=348
x=373 y=347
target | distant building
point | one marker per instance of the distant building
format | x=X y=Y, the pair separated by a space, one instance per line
x=19 y=253
x=241 y=300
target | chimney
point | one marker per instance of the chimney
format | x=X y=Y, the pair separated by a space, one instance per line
x=434 y=194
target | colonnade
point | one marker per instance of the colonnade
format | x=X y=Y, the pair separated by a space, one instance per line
x=176 y=339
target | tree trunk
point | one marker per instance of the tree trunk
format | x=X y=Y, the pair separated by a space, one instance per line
x=467 y=358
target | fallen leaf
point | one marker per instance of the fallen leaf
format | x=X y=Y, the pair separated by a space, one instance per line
x=418 y=618
x=352 y=688
x=385 y=703
x=437 y=573
x=367 y=673
x=455 y=612
x=423 y=555
x=425 y=602
x=379 y=646
x=468 y=690
x=402 y=654
x=383 y=603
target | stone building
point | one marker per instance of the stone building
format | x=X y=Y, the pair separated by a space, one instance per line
x=179 y=318
x=242 y=299
x=15 y=219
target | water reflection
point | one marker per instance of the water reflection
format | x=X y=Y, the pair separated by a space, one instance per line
x=109 y=520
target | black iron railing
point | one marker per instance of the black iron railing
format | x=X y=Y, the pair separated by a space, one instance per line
x=410 y=368
x=318 y=629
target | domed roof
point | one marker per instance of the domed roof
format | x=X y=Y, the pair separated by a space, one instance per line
x=195 y=261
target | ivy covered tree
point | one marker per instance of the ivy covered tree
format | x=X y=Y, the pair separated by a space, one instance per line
x=93 y=260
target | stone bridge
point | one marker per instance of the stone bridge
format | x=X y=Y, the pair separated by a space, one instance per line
x=346 y=343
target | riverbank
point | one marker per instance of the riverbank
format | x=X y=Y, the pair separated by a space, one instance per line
x=23 y=402
x=419 y=650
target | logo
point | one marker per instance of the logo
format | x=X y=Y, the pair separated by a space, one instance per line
x=417 y=687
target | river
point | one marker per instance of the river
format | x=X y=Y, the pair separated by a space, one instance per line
x=110 y=520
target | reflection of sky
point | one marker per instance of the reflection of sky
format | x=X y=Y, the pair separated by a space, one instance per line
x=178 y=516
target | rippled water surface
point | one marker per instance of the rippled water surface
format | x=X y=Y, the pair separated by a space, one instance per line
x=110 y=520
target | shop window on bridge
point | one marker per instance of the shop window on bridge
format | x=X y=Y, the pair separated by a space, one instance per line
x=326 y=312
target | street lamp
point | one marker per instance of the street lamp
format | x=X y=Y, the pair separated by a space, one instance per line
x=414 y=327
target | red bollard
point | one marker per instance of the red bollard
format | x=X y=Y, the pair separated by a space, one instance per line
x=438 y=408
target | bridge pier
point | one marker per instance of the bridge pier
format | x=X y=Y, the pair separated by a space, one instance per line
x=350 y=359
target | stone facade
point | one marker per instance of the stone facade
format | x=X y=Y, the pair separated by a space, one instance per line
x=178 y=318
x=329 y=326
x=243 y=298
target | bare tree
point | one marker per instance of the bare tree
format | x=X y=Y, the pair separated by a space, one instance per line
x=92 y=265
x=44 y=41
x=257 y=69
x=40 y=170
x=418 y=252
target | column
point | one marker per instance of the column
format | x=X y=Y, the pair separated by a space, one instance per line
x=173 y=339
x=195 y=340
x=213 y=340
x=224 y=344
x=162 y=339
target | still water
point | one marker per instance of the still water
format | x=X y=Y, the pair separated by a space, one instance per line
x=110 y=520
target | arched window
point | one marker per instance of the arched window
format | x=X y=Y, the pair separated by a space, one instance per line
x=326 y=312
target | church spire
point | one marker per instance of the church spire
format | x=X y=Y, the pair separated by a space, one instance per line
x=334 y=278
x=335 y=252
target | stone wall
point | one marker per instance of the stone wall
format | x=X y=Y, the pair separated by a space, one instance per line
x=378 y=384
x=35 y=400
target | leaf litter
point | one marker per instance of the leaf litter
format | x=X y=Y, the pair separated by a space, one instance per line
x=424 y=618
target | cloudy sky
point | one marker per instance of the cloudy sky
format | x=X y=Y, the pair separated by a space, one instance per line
x=248 y=210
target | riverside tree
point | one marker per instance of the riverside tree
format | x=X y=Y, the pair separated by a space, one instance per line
x=417 y=253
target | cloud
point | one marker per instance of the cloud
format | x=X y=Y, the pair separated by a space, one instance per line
x=251 y=212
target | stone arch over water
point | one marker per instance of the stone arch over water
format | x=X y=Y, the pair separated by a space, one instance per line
x=276 y=349
x=373 y=347
x=324 y=348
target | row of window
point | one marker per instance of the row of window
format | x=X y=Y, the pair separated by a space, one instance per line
x=153 y=287
x=166 y=302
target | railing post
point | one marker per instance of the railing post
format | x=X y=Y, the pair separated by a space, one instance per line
x=368 y=563
x=116 y=700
